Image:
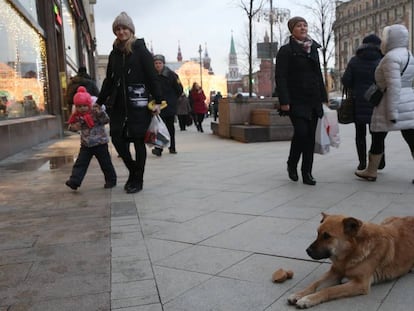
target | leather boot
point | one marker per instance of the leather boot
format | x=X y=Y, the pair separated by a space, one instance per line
x=131 y=166
x=382 y=162
x=292 y=172
x=370 y=173
x=136 y=181
x=362 y=155
x=308 y=179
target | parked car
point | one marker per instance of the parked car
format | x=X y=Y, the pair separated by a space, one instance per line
x=334 y=102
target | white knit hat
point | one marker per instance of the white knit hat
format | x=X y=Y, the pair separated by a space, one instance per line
x=123 y=20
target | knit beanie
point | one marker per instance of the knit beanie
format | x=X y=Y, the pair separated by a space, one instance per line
x=293 y=21
x=123 y=20
x=82 y=97
x=159 y=57
x=372 y=39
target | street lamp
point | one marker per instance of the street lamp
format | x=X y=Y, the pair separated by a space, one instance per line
x=201 y=66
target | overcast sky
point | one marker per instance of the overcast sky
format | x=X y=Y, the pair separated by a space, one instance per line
x=165 y=23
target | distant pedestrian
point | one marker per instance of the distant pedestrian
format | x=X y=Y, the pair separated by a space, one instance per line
x=183 y=111
x=171 y=89
x=358 y=77
x=82 y=78
x=199 y=105
x=90 y=121
x=216 y=101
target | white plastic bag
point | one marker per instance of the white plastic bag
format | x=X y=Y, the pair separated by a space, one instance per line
x=157 y=133
x=322 y=141
x=332 y=126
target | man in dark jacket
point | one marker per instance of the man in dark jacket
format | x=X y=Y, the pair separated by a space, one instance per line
x=81 y=79
x=171 y=90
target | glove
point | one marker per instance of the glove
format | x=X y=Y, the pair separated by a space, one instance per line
x=283 y=113
x=156 y=109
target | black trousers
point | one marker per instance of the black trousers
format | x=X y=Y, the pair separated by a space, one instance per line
x=122 y=146
x=199 y=118
x=378 y=141
x=182 y=121
x=303 y=143
x=169 y=122
x=84 y=158
x=361 y=141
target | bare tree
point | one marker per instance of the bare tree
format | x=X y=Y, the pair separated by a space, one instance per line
x=322 y=31
x=251 y=11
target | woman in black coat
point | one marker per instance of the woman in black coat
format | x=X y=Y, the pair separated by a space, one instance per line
x=130 y=80
x=358 y=76
x=301 y=91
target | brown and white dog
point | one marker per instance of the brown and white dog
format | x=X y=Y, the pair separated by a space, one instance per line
x=363 y=253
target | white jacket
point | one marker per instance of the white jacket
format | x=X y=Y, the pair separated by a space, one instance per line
x=398 y=100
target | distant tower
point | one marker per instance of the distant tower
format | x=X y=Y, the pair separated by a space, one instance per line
x=234 y=79
x=207 y=61
x=179 y=55
x=233 y=74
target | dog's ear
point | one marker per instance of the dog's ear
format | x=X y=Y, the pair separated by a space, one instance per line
x=351 y=225
x=324 y=215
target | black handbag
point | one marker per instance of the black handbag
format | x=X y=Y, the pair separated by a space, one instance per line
x=346 y=109
x=374 y=94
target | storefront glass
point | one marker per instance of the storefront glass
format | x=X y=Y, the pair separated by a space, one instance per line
x=23 y=78
x=30 y=6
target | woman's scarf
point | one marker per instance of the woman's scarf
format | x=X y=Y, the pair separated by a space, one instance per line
x=305 y=44
x=77 y=116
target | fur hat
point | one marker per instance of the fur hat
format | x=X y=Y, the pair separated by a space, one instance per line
x=123 y=20
x=293 y=21
x=82 y=97
x=372 y=39
x=159 y=57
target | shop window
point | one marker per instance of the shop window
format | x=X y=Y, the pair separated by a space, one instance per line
x=22 y=67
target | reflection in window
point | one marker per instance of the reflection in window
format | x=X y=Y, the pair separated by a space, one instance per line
x=22 y=67
x=30 y=6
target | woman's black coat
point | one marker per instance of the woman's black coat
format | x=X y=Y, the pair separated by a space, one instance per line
x=359 y=75
x=125 y=70
x=299 y=80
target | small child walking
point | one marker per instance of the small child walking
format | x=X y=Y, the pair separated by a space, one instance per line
x=90 y=120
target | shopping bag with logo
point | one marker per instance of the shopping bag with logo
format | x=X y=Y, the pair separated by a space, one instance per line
x=332 y=126
x=157 y=133
x=322 y=141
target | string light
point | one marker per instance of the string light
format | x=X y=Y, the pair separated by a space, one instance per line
x=24 y=46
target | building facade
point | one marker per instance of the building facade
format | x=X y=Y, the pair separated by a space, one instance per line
x=357 y=18
x=43 y=44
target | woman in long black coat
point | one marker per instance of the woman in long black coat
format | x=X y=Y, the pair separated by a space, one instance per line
x=358 y=76
x=301 y=91
x=130 y=80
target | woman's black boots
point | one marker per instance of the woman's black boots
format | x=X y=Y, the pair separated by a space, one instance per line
x=134 y=182
x=308 y=179
x=293 y=173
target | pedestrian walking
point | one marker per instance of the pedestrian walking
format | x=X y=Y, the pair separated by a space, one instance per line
x=394 y=75
x=358 y=77
x=90 y=120
x=301 y=92
x=198 y=99
x=183 y=111
x=171 y=89
x=130 y=79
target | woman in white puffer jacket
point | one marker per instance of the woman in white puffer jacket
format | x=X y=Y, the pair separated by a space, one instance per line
x=396 y=109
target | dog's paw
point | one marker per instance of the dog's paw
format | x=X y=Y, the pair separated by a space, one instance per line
x=292 y=299
x=304 y=303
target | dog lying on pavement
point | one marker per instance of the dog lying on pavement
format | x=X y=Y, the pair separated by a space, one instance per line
x=363 y=253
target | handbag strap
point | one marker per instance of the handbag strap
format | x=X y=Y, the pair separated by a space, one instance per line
x=405 y=67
